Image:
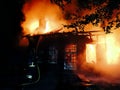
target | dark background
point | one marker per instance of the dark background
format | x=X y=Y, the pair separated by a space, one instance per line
x=11 y=57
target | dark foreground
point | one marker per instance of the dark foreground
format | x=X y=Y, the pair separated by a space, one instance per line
x=50 y=80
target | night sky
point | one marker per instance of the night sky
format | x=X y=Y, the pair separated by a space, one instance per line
x=10 y=30
x=11 y=65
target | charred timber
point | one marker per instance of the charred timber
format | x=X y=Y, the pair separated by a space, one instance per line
x=67 y=36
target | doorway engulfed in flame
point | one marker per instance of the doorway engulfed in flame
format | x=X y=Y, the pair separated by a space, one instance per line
x=91 y=53
x=107 y=44
x=113 y=50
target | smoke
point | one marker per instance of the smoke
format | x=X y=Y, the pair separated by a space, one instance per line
x=106 y=69
x=41 y=14
x=77 y=9
x=100 y=74
x=101 y=13
x=41 y=9
x=86 y=15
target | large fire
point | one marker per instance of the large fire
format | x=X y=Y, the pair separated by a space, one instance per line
x=113 y=48
x=110 y=46
x=91 y=53
x=41 y=17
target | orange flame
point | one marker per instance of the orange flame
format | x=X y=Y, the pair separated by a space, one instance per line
x=41 y=17
x=91 y=53
x=109 y=45
x=51 y=25
x=113 y=49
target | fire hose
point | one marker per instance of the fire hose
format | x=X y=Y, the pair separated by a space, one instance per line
x=36 y=81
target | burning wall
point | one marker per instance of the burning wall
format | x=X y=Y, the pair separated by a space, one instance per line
x=102 y=60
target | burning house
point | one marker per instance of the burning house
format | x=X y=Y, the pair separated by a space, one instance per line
x=72 y=44
x=70 y=51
